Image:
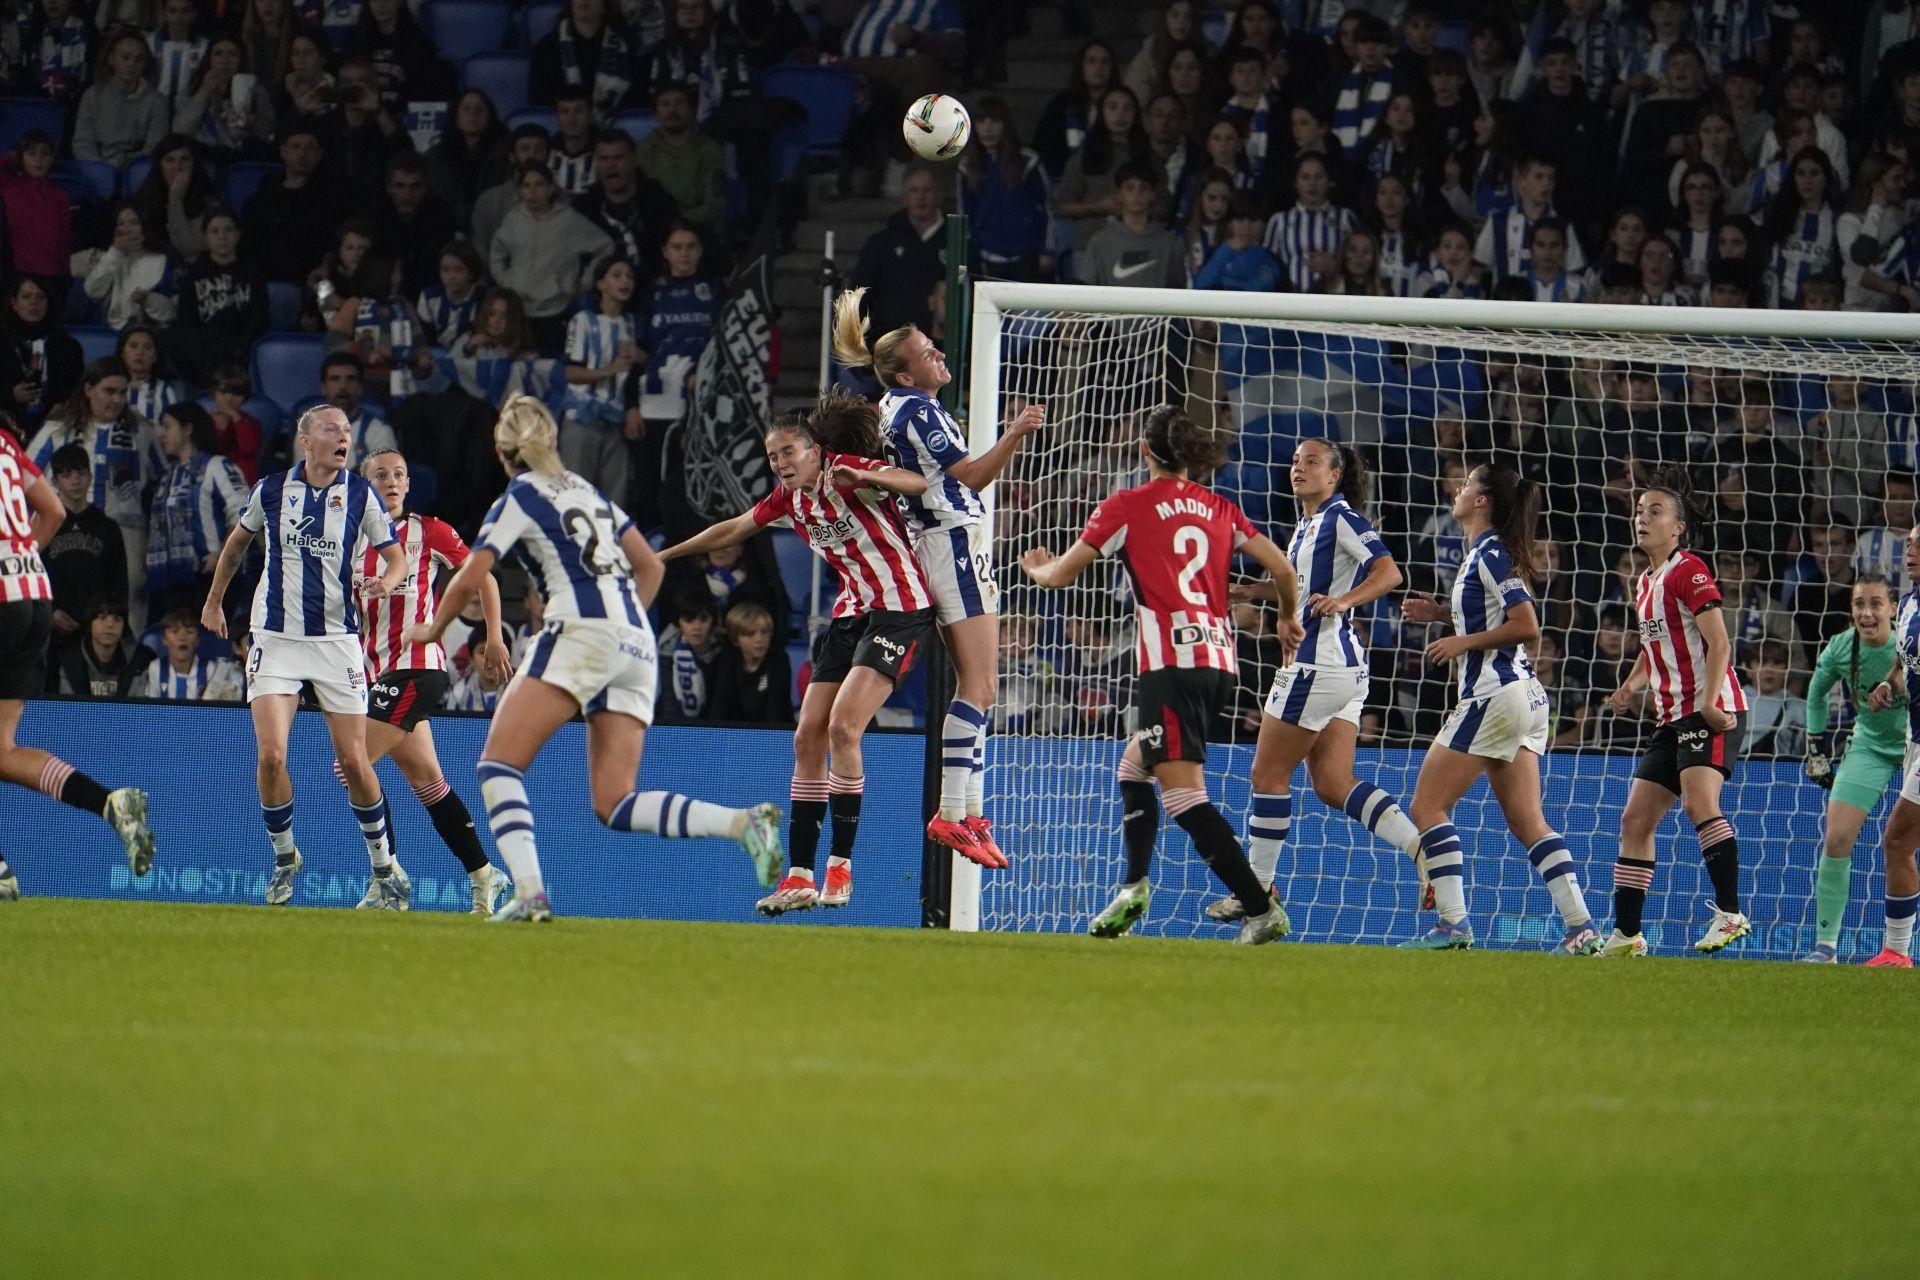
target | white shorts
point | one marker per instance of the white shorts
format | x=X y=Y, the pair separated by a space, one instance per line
x=1499 y=725
x=959 y=572
x=1910 y=775
x=1311 y=697
x=605 y=665
x=334 y=665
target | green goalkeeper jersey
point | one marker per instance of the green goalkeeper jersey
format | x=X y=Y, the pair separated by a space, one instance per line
x=1883 y=731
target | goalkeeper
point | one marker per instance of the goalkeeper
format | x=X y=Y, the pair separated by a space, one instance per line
x=1858 y=658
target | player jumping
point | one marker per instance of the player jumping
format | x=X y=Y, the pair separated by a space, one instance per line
x=1860 y=658
x=30 y=514
x=1499 y=727
x=1313 y=709
x=950 y=541
x=595 y=656
x=409 y=681
x=306 y=629
x=1175 y=538
x=843 y=504
x=1687 y=657
x=1903 y=828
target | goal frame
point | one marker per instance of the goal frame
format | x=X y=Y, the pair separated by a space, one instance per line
x=992 y=300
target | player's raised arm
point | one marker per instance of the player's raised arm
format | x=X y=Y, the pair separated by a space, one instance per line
x=978 y=473
x=1047 y=570
x=892 y=479
x=722 y=533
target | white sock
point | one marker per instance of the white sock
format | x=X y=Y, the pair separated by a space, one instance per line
x=675 y=817
x=1374 y=809
x=1446 y=866
x=977 y=781
x=503 y=789
x=959 y=740
x=373 y=828
x=1900 y=913
x=279 y=820
x=1555 y=865
x=1266 y=831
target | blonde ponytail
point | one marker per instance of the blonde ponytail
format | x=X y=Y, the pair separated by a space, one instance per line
x=527 y=436
x=850 y=341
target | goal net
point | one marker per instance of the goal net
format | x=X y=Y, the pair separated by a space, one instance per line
x=1803 y=426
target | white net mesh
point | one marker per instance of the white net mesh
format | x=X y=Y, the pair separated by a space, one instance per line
x=1810 y=446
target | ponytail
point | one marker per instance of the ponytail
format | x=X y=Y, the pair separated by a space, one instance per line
x=1356 y=481
x=1695 y=511
x=1514 y=503
x=527 y=437
x=850 y=341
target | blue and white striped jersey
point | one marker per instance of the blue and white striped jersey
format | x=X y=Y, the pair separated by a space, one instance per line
x=923 y=437
x=1294 y=233
x=1332 y=550
x=1727 y=31
x=174 y=62
x=1906 y=646
x=1810 y=247
x=194 y=510
x=308 y=534
x=126 y=461
x=444 y=320
x=153 y=397
x=566 y=533
x=1565 y=287
x=206 y=680
x=1883 y=551
x=593 y=341
x=1504 y=245
x=573 y=172
x=867 y=35
x=1485 y=589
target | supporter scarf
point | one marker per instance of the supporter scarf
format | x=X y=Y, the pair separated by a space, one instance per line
x=63 y=59
x=388 y=325
x=689 y=682
x=613 y=75
x=1353 y=119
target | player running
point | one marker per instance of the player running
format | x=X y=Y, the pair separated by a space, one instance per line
x=30 y=514
x=950 y=541
x=1175 y=537
x=1499 y=727
x=1903 y=827
x=1313 y=709
x=842 y=503
x=595 y=656
x=1859 y=658
x=306 y=630
x=409 y=681
x=1687 y=657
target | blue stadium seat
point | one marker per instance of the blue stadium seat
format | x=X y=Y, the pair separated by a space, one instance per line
x=638 y=124
x=136 y=173
x=501 y=76
x=461 y=28
x=827 y=94
x=538 y=20
x=283 y=306
x=286 y=366
x=789 y=149
x=89 y=181
x=243 y=179
x=1214 y=26
x=542 y=116
x=96 y=341
x=796 y=571
x=1455 y=36
x=17 y=115
x=424 y=486
x=268 y=414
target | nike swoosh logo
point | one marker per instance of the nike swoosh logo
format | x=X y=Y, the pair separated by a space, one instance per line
x=1122 y=273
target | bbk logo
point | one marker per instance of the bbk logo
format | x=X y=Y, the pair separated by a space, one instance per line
x=1151 y=736
x=1694 y=738
x=892 y=651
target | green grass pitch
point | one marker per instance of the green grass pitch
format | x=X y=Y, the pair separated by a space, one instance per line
x=210 y=1091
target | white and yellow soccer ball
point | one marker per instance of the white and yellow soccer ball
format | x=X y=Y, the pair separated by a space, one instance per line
x=937 y=127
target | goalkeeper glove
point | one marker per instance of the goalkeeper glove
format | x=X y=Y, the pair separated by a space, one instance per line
x=1819 y=768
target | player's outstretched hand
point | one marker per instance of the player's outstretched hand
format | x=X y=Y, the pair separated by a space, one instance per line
x=1717 y=720
x=1881 y=697
x=1034 y=561
x=1421 y=608
x=1445 y=650
x=1325 y=606
x=213 y=619
x=1028 y=420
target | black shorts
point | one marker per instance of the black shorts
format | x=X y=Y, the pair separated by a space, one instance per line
x=404 y=698
x=1176 y=707
x=24 y=628
x=1687 y=743
x=885 y=640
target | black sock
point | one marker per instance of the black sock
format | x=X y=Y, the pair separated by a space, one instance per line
x=1722 y=852
x=803 y=831
x=846 y=821
x=84 y=794
x=1140 y=824
x=1220 y=848
x=1632 y=877
x=455 y=825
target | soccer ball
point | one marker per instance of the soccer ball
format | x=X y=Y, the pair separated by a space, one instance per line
x=937 y=127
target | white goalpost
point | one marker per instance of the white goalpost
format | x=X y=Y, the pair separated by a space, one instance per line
x=1804 y=426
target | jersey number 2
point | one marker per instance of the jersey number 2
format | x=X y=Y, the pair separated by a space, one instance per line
x=593 y=533
x=1188 y=538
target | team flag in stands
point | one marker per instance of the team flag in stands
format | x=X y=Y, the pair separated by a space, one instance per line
x=732 y=402
x=424 y=122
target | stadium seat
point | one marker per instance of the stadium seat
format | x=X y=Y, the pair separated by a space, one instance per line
x=501 y=76
x=17 y=115
x=462 y=28
x=97 y=342
x=542 y=116
x=93 y=181
x=1215 y=26
x=286 y=366
x=827 y=94
x=538 y=20
x=268 y=414
x=789 y=149
x=424 y=486
x=283 y=306
x=135 y=173
x=638 y=124
x=243 y=180
x=796 y=571
x=1456 y=35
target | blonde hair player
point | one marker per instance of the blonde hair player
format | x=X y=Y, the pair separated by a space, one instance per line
x=950 y=542
x=594 y=656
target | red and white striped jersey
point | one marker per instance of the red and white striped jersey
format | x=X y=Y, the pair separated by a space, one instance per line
x=1669 y=597
x=1175 y=537
x=23 y=575
x=429 y=545
x=858 y=531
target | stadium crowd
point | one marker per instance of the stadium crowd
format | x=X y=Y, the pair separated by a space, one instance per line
x=205 y=174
